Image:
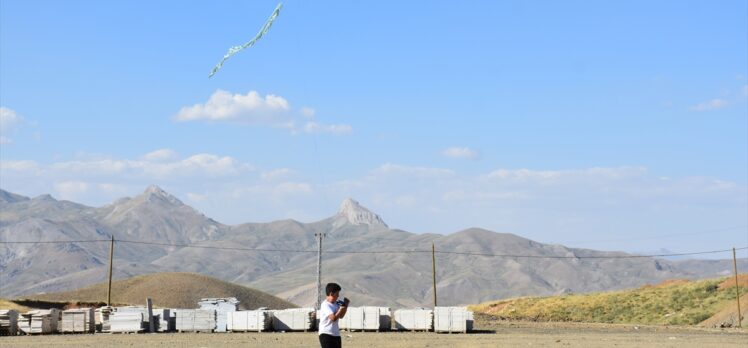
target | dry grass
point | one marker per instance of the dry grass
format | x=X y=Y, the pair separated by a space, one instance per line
x=7 y=304
x=169 y=290
x=730 y=282
x=670 y=303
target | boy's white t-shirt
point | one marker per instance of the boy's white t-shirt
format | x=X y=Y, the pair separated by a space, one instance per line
x=326 y=326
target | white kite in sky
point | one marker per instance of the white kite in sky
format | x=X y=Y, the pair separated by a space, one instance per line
x=235 y=49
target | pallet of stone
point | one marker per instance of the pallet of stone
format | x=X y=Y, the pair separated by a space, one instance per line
x=39 y=322
x=222 y=306
x=244 y=321
x=419 y=319
x=453 y=319
x=8 y=322
x=102 y=318
x=196 y=320
x=126 y=321
x=162 y=320
x=161 y=317
x=294 y=319
x=79 y=320
x=364 y=319
x=24 y=323
x=173 y=319
x=385 y=318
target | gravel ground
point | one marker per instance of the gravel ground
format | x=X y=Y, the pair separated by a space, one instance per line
x=491 y=333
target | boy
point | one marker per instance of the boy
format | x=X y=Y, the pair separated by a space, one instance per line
x=329 y=312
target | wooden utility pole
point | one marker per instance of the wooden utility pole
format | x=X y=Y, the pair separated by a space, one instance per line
x=737 y=288
x=319 y=267
x=111 y=257
x=433 y=269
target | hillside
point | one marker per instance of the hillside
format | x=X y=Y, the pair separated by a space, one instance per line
x=169 y=290
x=152 y=231
x=677 y=302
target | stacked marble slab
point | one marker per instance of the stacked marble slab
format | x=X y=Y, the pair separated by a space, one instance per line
x=41 y=321
x=162 y=320
x=244 y=321
x=102 y=318
x=222 y=306
x=294 y=319
x=419 y=319
x=366 y=319
x=126 y=322
x=196 y=320
x=452 y=319
x=80 y=320
x=8 y=322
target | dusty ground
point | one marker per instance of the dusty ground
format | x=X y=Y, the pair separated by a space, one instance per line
x=492 y=333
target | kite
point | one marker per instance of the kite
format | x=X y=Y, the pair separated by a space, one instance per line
x=235 y=49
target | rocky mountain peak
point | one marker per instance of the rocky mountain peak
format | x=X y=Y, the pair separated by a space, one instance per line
x=356 y=214
x=9 y=197
x=155 y=193
x=45 y=198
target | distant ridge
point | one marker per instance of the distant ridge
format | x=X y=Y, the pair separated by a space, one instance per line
x=169 y=290
x=154 y=227
x=8 y=197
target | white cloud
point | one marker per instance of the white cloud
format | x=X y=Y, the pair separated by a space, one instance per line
x=460 y=152
x=9 y=118
x=110 y=188
x=276 y=174
x=546 y=205
x=91 y=167
x=713 y=104
x=9 y=122
x=390 y=169
x=314 y=127
x=745 y=90
x=307 y=112
x=24 y=166
x=152 y=165
x=584 y=174
x=251 y=108
x=71 y=190
x=160 y=155
x=293 y=188
x=196 y=165
x=194 y=197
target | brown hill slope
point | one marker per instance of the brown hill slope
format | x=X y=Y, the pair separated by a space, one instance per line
x=728 y=317
x=670 y=303
x=170 y=290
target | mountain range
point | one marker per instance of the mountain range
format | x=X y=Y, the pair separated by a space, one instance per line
x=375 y=264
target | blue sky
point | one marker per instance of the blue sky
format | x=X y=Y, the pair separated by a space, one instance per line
x=602 y=125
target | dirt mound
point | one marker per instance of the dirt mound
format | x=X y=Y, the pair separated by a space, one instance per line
x=728 y=317
x=730 y=282
x=169 y=290
x=42 y=304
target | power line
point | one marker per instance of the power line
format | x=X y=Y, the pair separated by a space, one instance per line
x=377 y=251
x=587 y=257
x=57 y=241
x=215 y=247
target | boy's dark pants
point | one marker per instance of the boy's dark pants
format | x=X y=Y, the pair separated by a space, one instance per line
x=329 y=341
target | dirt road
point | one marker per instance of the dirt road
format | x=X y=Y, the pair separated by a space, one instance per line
x=491 y=334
